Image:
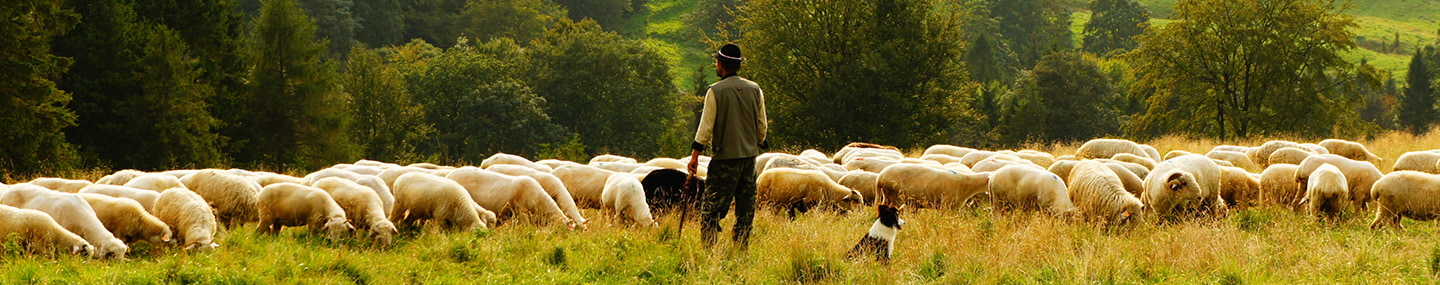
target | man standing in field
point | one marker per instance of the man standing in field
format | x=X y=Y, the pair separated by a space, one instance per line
x=733 y=123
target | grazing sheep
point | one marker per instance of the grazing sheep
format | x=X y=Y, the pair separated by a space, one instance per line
x=1150 y=150
x=189 y=218
x=374 y=183
x=665 y=190
x=1239 y=188
x=1100 y=197
x=235 y=198
x=71 y=212
x=428 y=166
x=1132 y=158
x=1238 y=159
x=1289 y=155
x=995 y=162
x=127 y=220
x=1069 y=157
x=1133 y=182
x=859 y=149
x=949 y=150
x=267 y=178
x=611 y=158
x=365 y=170
x=1359 y=175
x=941 y=158
x=815 y=156
x=60 y=184
x=1176 y=153
x=1038 y=158
x=800 y=190
x=39 y=233
x=1206 y=177
x=625 y=195
x=120 y=177
x=556 y=163
x=665 y=162
x=331 y=172
x=1351 y=150
x=1326 y=194
x=423 y=196
x=361 y=205
x=625 y=167
x=1261 y=154
x=553 y=186
x=154 y=182
x=389 y=175
x=1278 y=185
x=1030 y=189
x=871 y=164
x=880 y=240
x=508 y=195
x=146 y=198
x=367 y=162
x=293 y=205
x=586 y=183
x=510 y=159
x=1231 y=148
x=786 y=161
x=378 y=185
x=970 y=159
x=863 y=182
x=935 y=187
x=1107 y=148
x=1062 y=169
x=1422 y=161
x=1409 y=194
x=1138 y=170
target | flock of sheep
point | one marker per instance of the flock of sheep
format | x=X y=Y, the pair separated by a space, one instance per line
x=1109 y=182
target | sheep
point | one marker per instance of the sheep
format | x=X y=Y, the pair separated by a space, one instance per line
x=1032 y=189
x=586 y=183
x=800 y=190
x=1230 y=148
x=863 y=182
x=618 y=166
x=665 y=162
x=1351 y=150
x=60 y=184
x=941 y=158
x=1326 y=194
x=1422 y=161
x=365 y=170
x=389 y=175
x=1107 y=148
x=127 y=220
x=892 y=155
x=625 y=195
x=423 y=196
x=1359 y=175
x=666 y=189
x=1131 y=180
x=1150 y=150
x=510 y=159
x=611 y=158
x=1405 y=193
x=1062 y=169
x=556 y=163
x=553 y=186
x=1261 y=154
x=1069 y=157
x=428 y=166
x=995 y=162
x=1237 y=159
x=1315 y=148
x=970 y=159
x=293 y=205
x=1289 y=155
x=1278 y=185
x=119 y=177
x=331 y=172
x=154 y=182
x=367 y=162
x=189 y=218
x=786 y=161
x=146 y=198
x=374 y=183
x=1132 y=158
x=362 y=207
x=815 y=156
x=180 y=173
x=38 y=232
x=1138 y=170
x=871 y=164
x=1176 y=153
x=507 y=195
x=1038 y=158
x=71 y=212
x=1099 y=195
x=859 y=149
x=1239 y=188
x=949 y=150
x=267 y=178
x=1185 y=184
x=235 y=198
x=933 y=186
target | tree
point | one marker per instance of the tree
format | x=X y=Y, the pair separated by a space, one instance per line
x=715 y=17
x=1417 y=105
x=1066 y=99
x=295 y=113
x=607 y=13
x=1032 y=28
x=334 y=21
x=214 y=34
x=381 y=22
x=434 y=21
x=387 y=124
x=521 y=20
x=1113 y=26
x=838 y=71
x=32 y=109
x=1230 y=68
x=615 y=93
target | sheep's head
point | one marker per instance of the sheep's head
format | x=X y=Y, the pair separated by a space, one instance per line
x=1182 y=185
x=200 y=238
x=336 y=228
x=384 y=232
x=112 y=248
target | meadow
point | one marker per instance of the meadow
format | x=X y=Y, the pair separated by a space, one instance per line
x=1270 y=244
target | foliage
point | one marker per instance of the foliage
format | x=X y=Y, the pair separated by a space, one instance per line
x=433 y=21
x=519 y=20
x=615 y=93
x=1417 y=106
x=1114 y=25
x=1228 y=68
x=1032 y=28
x=387 y=124
x=715 y=17
x=295 y=113
x=213 y=31
x=334 y=21
x=607 y=13
x=380 y=22
x=1065 y=99
x=841 y=71
x=31 y=107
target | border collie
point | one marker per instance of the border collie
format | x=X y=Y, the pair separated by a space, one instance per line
x=881 y=238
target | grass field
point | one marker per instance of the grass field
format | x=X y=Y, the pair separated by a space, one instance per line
x=970 y=245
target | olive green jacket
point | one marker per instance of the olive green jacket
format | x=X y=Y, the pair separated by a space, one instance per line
x=733 y=122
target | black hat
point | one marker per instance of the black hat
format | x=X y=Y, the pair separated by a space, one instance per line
x=729 y=52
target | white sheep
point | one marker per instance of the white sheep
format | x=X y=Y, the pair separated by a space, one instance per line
x=1261 y=154
x=507 y=195
x=586 y=183
x=362 y=206
x=293 y=205
x=374 y=183
x=871 y=164
x=39 y=232
x=1289 y=155
x=1136 y=159
x=127 y=220
x=1359 y=175
x=1177 y=187
x=422 y=196
x=1278 y=185
x=235 y=198
x=1422 y=161
x=71 y=212
x=60 y=184
x=1351 y=150
x=1239 y=188
x=624 y=195
x=1030 y=188
x=611 y=158
x=154 y=182
x=625 y=167
x=1237 y=159
x=120 y=177
x=863 y=182
x=189 y=218
x=1409 y=194
x=146 y=198
x=553 y=186
x=1107 y=148
x=510 y=159
x=950 y=150
x=937 y=187
x=799 y=189
x=1326 y=194
x=1099 y=195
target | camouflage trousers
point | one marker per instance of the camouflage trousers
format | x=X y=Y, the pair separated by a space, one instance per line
x=730 y=180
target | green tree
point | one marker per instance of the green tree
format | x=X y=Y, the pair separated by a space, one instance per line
x=434 y=21
x=479 y=106
x=1066 y=98
x=521 y=20
x=838 y=71
x=381 y=22
x=214 y=34
x=386 y=122
x=296 y=113
x=335 y=21
x=31 y=107
x=615 y=93
x=715 y=17
x=1417 y=105
x=1231 y=68
x=608 y=13
x=1032 y=28
x=1113 y=25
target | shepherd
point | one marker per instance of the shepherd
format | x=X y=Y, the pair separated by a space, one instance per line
x=733 y=126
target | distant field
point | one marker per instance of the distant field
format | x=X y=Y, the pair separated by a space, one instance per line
x=971 y=245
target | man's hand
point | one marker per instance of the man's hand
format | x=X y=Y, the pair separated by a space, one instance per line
x=694 y=161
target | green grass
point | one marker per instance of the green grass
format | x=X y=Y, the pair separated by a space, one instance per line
x=662 y=27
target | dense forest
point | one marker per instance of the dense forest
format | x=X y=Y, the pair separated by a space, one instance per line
x=302 y=84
